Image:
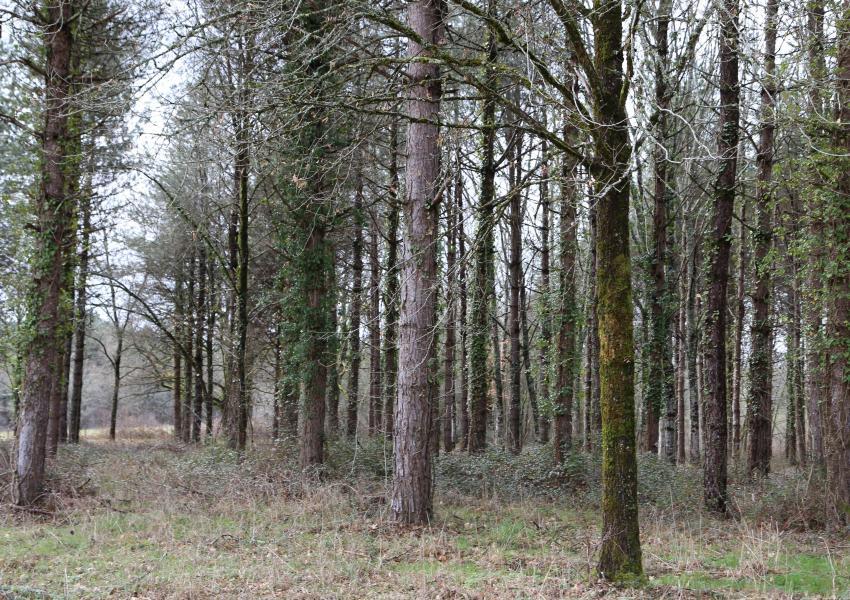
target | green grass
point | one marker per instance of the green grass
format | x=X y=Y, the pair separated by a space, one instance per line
x=150 y=518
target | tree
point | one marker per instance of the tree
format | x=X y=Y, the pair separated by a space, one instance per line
x=715 y=463
x=412 y=493
x=54 y=212
x=760 y=406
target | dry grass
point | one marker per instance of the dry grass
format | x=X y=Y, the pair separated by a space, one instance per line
x=148 y=518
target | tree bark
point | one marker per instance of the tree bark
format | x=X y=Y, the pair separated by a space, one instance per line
x=391 y=287
x=449 y=392
x=483 y=280
x=715 y=464
x=760 y=406
x=545 y=295
x=660 y=385
x=376 y=416
x=412 y=493
x=354 y=315
x=514 y=275
x=54 y=214
x=620 y=553
x=566 y=367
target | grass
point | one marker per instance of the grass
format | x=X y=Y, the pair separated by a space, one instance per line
x=148 y=518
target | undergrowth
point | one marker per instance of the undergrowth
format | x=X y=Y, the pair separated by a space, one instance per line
x=151 y=518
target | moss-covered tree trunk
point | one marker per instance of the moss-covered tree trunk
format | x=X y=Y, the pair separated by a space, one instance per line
x=562 y=435
x=716 y=427
x=483 y=249
x=54 y=217
x=760 y=405
x=620 y=554
x=837 y=439
x=412 y=494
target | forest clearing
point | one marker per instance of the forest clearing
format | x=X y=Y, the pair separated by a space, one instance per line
x=148 y=517
x=424 y=298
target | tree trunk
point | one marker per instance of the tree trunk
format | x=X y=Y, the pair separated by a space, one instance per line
x=463 y=421
x=514 y=275
x=412 y=494
x=715 y=464
x=566 y=367
x=620 y=553
x=200 y=323
x=80 y=321
x=739 y=335
x=211 y=310
x=449 y=393
x=54 y=213
x=316 y=271
x=660 y=385
x=545 y=296
x=354 y=315
x=376 y=416
x=760 y=406
x=816 y=374
x=837 y=439
x=483 y=281
x=116 y=384
x=391 y=288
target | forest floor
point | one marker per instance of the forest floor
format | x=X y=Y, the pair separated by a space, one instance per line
x=150 y=518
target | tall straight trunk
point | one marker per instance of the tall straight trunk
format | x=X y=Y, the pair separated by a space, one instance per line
x=514 y=276
x=760 y=405
x=545 y=294
x=715 y=464
x=66 y=377
x=412 y=493
x=177 y=385
x=177 y=391
x=354 y=315
x=660 y=393
x=80 y=320
x=200 y=340
x=376 y=415
x=189 y=350
x=449 y=351
x=498 y=415
x=680 y=381
x=316 y=271
x=681 y=344
x=566 y=366
x=463 y=404
x=337 y=352
x=116 y=383
x=620 y=553
x=837 y=439
x=211 y=311
x=593 y=332
x=530 y=385
x=791 y=402
x=391 y=287
x=277 y=390
x=737 y=367
x=693 y=352
x=816 y=374
x=796 y=346
x=238 y=434
x=483 y=280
